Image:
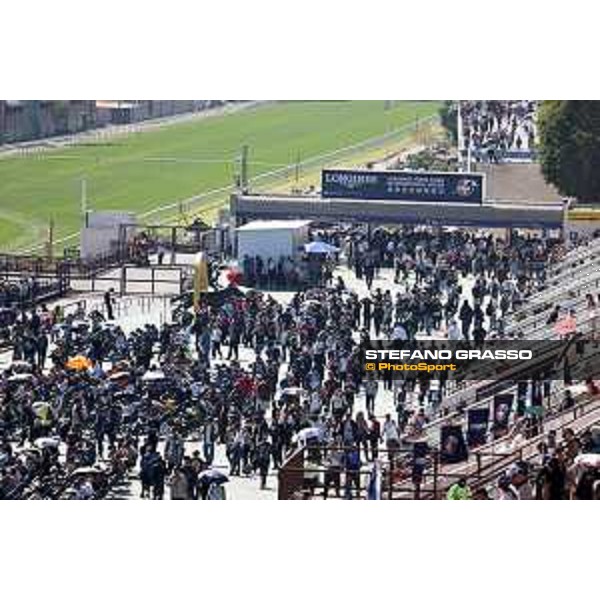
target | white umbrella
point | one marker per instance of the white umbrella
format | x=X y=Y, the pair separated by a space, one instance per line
x=20 y=377
x=19 y=365
x=118 y=375
x=293 y=391
x=47 y=442
x=588 y=460
x=307 y=434
x=88 y=471
x=213 y=476
x=320 y=248
x=153 y=376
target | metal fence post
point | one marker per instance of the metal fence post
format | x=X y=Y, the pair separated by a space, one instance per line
x=173 y=243
x=435 y=475
x=123 y=282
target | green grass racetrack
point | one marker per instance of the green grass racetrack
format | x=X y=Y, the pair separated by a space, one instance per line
x=145 y=170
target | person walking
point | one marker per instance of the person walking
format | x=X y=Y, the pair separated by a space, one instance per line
x=391 y=437
x=374 y=435
x=178 y=485
x=42 y=349
x=109 y=304
x=371 y=388
x=263 y=461
x=209 y=435
x=466 y=317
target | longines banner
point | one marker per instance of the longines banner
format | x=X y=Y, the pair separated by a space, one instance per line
x=403 y=185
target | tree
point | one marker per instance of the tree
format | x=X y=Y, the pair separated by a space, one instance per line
x=569 y=147
x=449 y=119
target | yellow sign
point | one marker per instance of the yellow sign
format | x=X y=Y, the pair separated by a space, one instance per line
x=200 y=277
x=589 y=214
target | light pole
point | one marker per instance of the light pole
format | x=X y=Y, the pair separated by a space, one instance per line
x=244 y=168
x=83 y=200
x=387 y=105
x=2 y=121
x=297 y=168
x=50 y=239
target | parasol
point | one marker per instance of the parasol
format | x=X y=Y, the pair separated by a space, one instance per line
x=95 y=470
x=79 y=363
x=20 y=377
x=320 y=248
x=20 y=365
x=566 y=325
x=211 y=476
x=118 y=375
x=309 y=433
x=153 y=376
x=46 y=442
x=588 y=460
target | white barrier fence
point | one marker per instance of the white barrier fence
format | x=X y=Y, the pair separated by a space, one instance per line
x=131 y=312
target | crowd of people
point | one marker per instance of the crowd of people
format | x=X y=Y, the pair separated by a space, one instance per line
x=492 y=129
x=567 y=467
x=249 y=378
x=286 y=272
x=169 y=384
x=432 y=267
x=16 y=293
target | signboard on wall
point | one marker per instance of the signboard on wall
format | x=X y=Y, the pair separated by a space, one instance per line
x=453 y=448
x=410 y=186
x=477 y=426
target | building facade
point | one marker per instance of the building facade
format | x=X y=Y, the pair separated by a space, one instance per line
x=24 y=120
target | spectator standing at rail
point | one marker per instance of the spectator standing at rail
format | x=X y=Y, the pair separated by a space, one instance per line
x=351 y=462
x=459 y=491
x=333 y=468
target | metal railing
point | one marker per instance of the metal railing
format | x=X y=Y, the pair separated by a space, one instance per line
x=303 y=474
